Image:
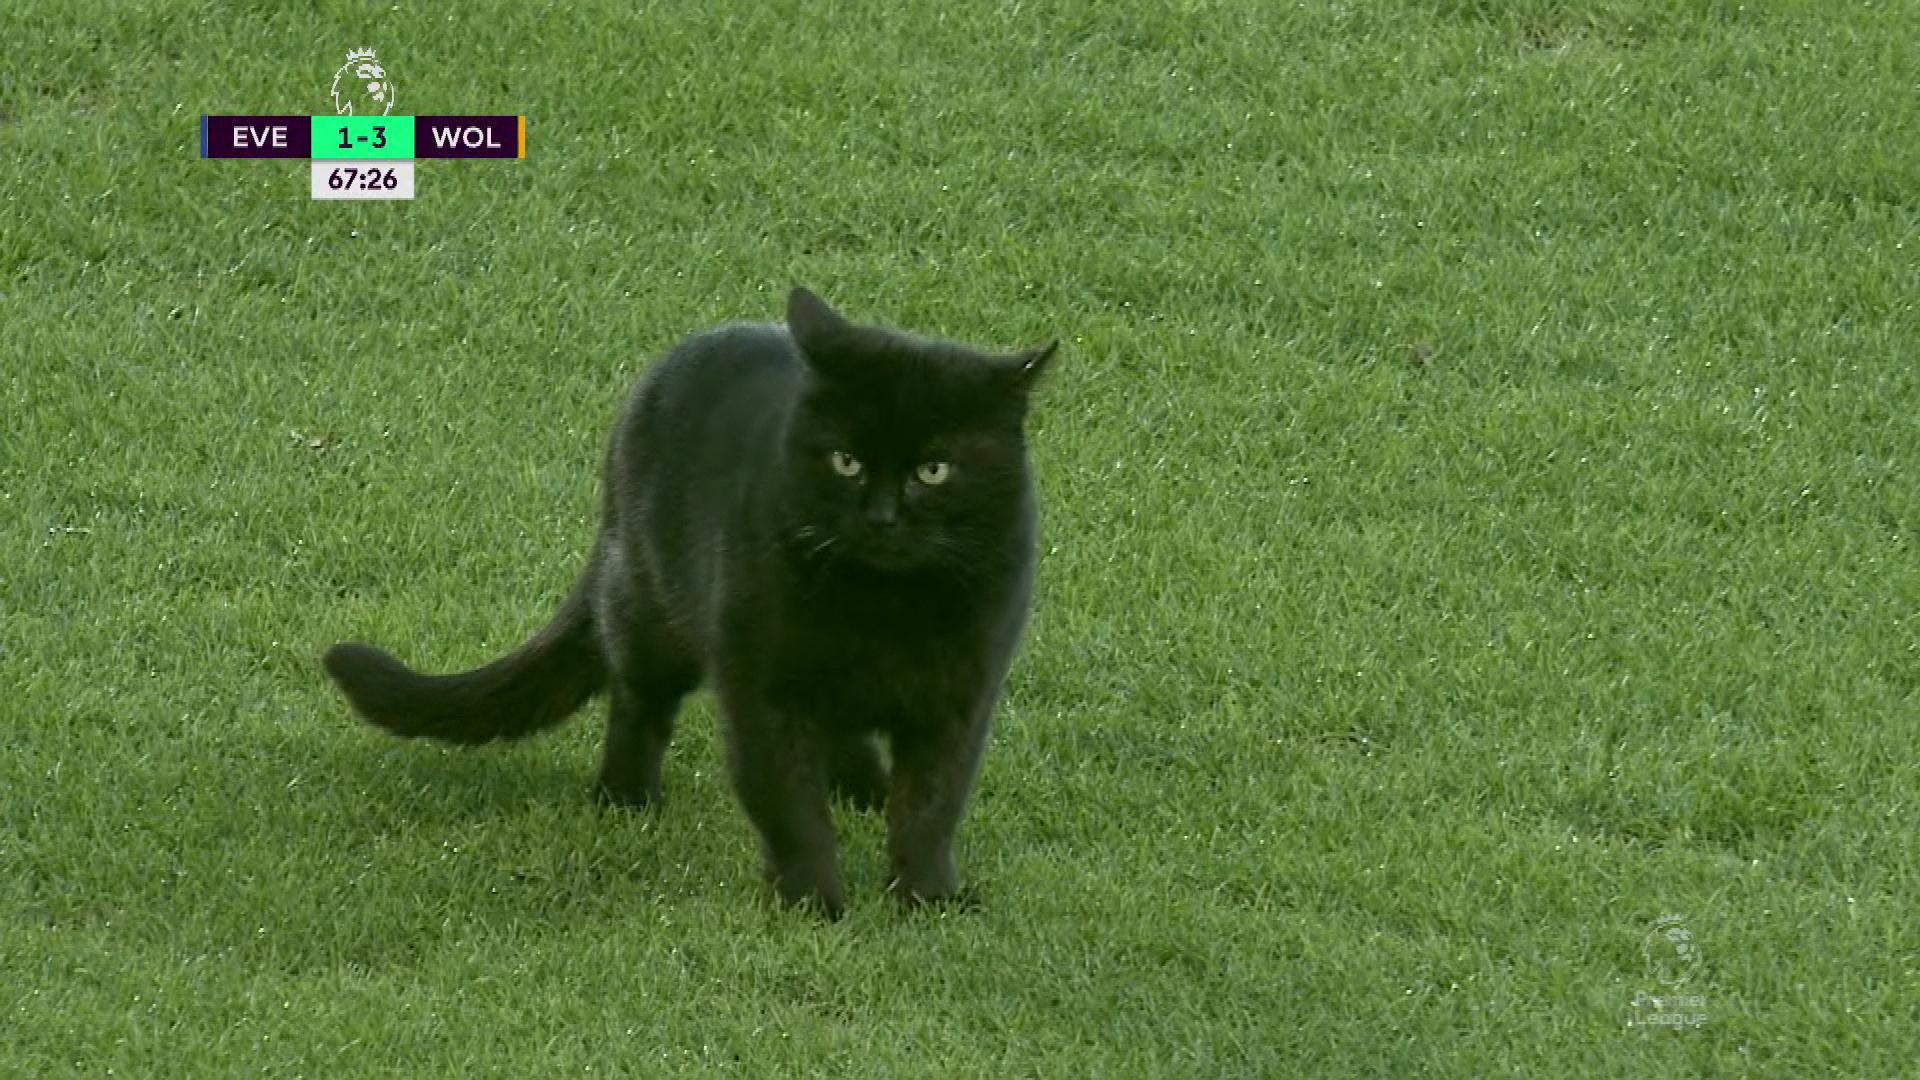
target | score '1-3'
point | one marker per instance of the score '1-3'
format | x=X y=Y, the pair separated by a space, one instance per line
x=379 y=138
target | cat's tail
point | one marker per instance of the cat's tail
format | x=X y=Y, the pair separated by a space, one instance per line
x=532 y=688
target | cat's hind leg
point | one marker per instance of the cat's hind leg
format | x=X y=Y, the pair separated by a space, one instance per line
x=649 y=674
x=856 y=771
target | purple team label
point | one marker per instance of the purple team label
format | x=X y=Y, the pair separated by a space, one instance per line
x=255 y=136
x=469 y=137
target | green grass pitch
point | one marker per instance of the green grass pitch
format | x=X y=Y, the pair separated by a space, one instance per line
x=1480 y=520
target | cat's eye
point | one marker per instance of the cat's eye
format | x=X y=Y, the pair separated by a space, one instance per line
x=845 y=464
x=933 y=473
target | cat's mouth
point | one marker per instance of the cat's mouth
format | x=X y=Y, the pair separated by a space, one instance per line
x=890 y=554
x=885 y=551
x=888 y=551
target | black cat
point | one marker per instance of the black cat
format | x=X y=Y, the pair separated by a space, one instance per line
x=834 y=525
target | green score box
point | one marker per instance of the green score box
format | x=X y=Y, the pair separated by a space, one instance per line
x=362 y=138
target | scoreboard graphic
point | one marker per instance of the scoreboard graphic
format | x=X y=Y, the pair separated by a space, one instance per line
x=363 y=157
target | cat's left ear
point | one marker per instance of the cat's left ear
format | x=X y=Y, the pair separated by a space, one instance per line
x=1025 y=368
x=814 y=325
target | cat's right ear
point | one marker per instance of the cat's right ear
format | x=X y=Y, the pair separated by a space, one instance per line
x=1021 y=370
x=1034 y=361
x=812 y=323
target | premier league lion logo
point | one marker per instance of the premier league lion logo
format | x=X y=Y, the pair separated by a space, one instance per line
x=1672 y=955
x=361 y=86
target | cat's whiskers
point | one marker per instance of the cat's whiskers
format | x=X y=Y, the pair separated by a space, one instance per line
x=957 y=557
x=816 y=541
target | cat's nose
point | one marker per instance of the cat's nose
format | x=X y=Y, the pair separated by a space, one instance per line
x=883 y=510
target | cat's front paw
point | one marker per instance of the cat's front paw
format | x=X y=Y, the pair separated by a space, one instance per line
x=959 y=899
x=626 y=796
x=813 y=891
x=928 y=879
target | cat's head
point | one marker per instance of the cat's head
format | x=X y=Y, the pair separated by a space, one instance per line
x=906 y=454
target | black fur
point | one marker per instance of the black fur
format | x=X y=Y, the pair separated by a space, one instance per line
x=769 y=529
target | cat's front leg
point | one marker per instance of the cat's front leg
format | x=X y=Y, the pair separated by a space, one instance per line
x=778 y=763
x=933 y=772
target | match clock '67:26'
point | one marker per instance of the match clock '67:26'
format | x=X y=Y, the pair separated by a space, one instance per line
x=363 y=180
